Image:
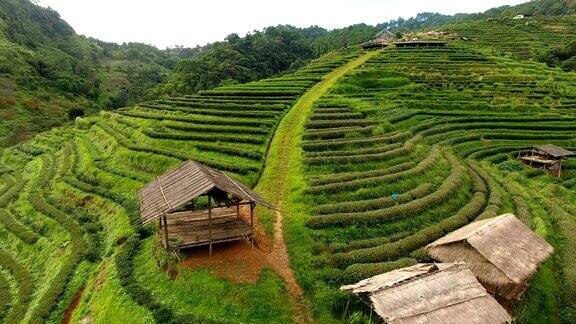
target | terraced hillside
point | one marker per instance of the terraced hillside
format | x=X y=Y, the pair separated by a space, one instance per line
x=521 y=38
x=417 y=143
x=68 y=208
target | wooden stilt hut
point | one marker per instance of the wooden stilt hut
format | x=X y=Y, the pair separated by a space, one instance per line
x=502 y=252
x=196 y=205
x=430 y=293
x=547 y=157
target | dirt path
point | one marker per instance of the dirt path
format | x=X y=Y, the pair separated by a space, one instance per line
x=285 y=160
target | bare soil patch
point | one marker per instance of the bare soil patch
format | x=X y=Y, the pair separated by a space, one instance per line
x=73 y=305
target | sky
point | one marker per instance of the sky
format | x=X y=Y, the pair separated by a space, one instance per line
x=167 y=23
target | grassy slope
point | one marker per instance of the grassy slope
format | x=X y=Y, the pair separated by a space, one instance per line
x=74 y=188
x=282 y=181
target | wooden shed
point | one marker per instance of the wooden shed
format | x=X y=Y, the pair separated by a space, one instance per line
x=380 y=40
x=547 y=157
x=502 y=252
x=171 y=199
x=430 y=293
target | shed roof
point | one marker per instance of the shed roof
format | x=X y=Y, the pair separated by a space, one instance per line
x=431 y=293
x=184 y=183
x=554 y=150
x=503 y=242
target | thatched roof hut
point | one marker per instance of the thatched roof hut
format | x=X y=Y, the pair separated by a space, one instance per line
x=430 y=293
x=546 y=157
x=171 y=200
x=502 y=252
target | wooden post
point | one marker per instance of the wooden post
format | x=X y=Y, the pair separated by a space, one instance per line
x=160 y=222
x=559 y=168
x=252 y=223
x=166 y=233
x=238 y=209
x=210 y=223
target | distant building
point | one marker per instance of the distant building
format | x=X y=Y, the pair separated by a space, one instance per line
x=519 y=17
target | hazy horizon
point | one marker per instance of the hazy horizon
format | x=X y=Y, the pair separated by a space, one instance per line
x=174 y=22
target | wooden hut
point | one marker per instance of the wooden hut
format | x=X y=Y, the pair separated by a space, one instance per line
x=547 y=157
x=502 y=252
x=380 y=40
x=430 y=293
x=171 y=199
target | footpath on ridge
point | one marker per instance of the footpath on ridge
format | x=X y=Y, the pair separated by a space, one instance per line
x=282 y=170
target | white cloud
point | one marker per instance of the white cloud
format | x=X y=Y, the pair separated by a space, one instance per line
x=180 y=22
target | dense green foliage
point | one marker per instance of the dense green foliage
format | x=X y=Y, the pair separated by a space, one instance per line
x=563 y=57
x=49 y=74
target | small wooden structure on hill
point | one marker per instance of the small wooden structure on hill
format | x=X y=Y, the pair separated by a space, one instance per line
x=502 y=252
x=380 y=40
x=430 y=293
x=171 y=200
x=547 y=157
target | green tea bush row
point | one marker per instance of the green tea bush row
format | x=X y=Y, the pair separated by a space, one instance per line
x=21 y=231
x=30 y=149
x=25 y=287
x=360 y=158
x=225 y=96
x=564 y=223
x=204 y=137
x=49 y=299
x=197 y=119
x=481 y=154
x=345 y=153
x=458 y=137
x=494 y=198
x=424 y=165
x=5 y=296
x=12 y=191
x=312 y=146
x=446 y=189
x=498 y=125
x=252 y=93
x=230 y=150
x=373 y=204
x=216 y=128
x=316 y=116
x=323 y=124
x=425 y=236
x=234 y=106
x=8 y=182
x=237 y=168
x=124 y=261
x=350 y=176
x=360 y=271
x=371 y=242
x=215 y=112
x=337 y=133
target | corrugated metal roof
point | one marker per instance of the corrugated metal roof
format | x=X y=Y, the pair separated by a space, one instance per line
x=554 y=150
x=184 y=183
x=431 y=293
